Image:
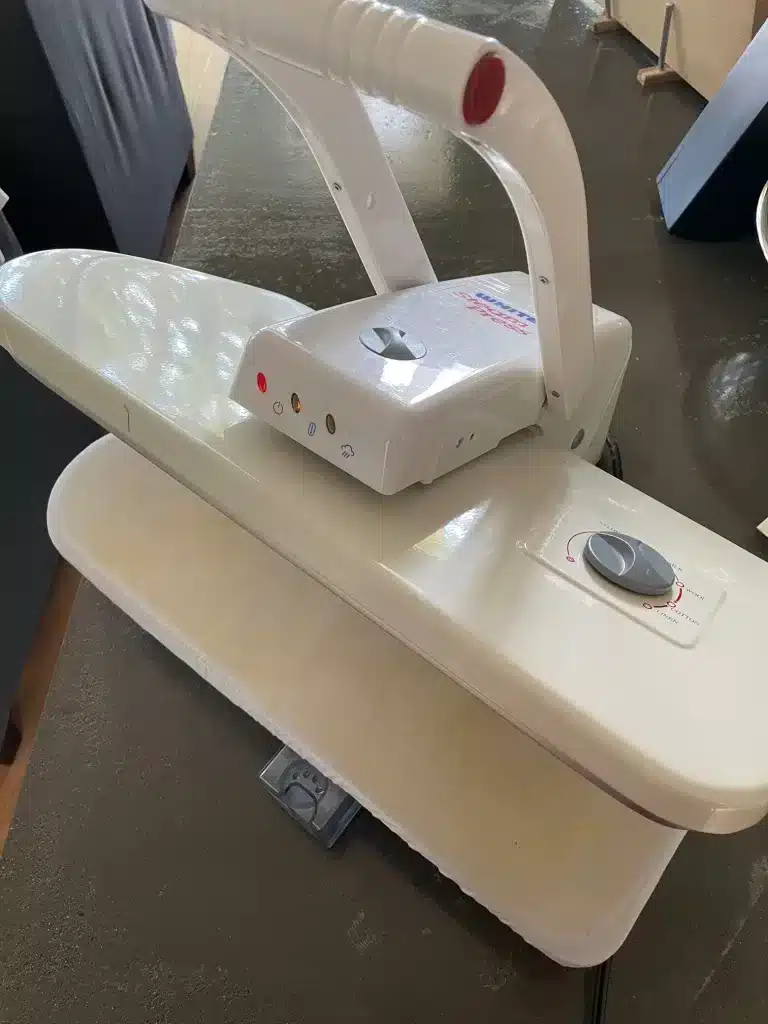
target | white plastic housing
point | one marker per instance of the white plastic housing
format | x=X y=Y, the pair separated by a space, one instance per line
x=481 y=572
x=397 y=421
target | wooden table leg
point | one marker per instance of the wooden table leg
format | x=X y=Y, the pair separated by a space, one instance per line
x=35 y=685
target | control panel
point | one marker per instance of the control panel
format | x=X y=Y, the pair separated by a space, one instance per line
x=405 y=386
x=680 y=612
x=630 y=563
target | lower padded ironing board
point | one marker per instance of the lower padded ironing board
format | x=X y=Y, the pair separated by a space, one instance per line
x=562 y=863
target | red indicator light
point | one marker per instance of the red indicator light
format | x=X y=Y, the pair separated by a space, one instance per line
x=483 y=90
x=261 y=382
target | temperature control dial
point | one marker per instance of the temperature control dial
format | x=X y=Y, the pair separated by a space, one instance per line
x=629 y=563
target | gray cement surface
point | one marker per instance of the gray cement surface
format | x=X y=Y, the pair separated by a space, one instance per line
x=149 y=878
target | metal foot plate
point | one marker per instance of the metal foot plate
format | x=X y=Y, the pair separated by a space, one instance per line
x=320 y=806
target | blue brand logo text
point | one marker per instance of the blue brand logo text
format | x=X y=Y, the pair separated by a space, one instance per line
x=507 y=309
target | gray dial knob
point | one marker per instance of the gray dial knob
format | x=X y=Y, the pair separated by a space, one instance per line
x=629 y=563
x=392 y=343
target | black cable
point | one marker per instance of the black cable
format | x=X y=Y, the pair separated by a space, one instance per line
x=610 y=460
x=596 y=993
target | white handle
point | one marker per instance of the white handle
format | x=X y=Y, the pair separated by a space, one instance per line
x=407 y=59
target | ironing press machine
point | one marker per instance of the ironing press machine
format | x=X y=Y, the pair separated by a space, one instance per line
x=378 y=527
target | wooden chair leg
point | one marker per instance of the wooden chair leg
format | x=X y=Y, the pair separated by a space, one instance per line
x=35 y=683
x=605 y=24
x=649 y=78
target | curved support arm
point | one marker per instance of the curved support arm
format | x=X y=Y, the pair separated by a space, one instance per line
x=310 y=52
x=529 y=146
x=338 y=131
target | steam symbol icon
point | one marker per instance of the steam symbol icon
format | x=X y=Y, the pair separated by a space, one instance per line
x=347 y=451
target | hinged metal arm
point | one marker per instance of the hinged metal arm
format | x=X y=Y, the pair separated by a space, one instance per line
x=314 y=54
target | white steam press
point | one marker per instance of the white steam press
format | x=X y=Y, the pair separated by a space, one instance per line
x=536 y=675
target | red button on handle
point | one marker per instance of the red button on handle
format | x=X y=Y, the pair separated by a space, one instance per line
x=484 y=89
